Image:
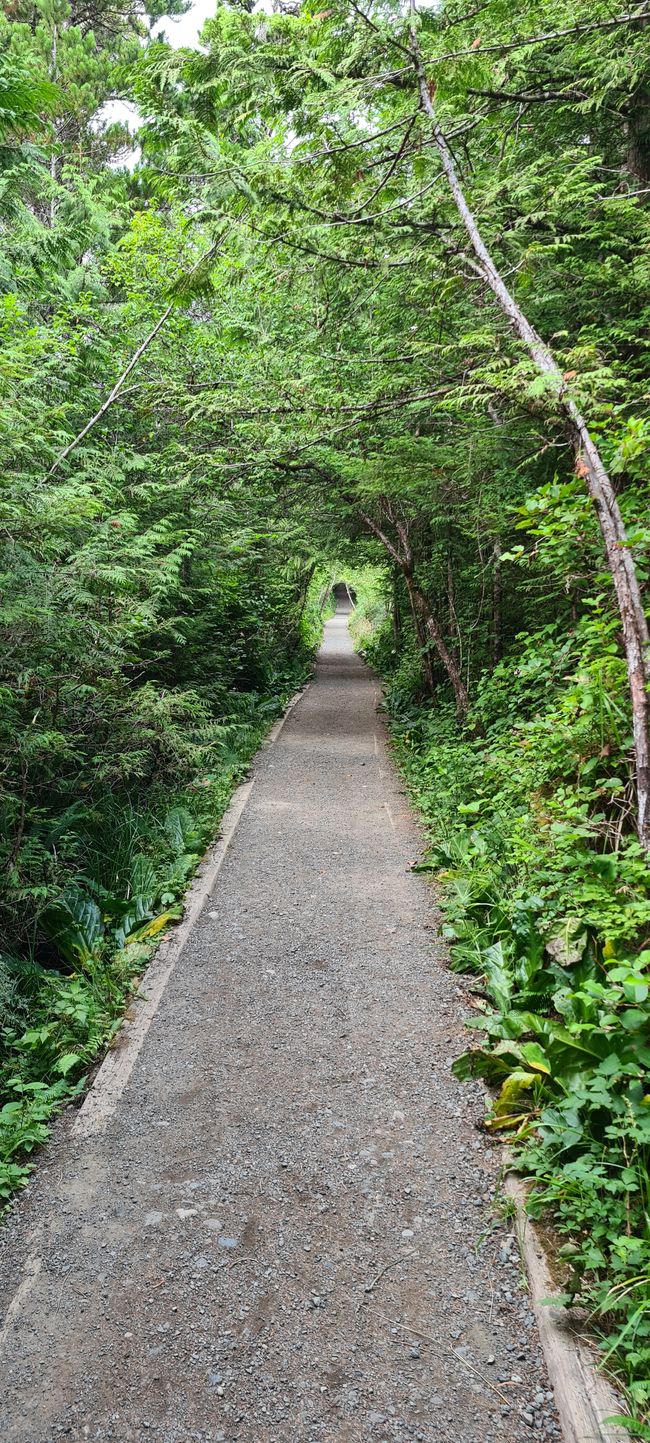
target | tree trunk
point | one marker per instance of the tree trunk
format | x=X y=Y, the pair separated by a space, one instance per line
x=454 y=628
x=422 y=639
x=638 y=130
x=423 y=606
x=588 y=465
x=54 y=75
x=426 y=626
x=303 y=590
x=495 y=639
x=396 y=608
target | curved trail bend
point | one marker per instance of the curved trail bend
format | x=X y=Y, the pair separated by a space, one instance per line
x=283 y=1234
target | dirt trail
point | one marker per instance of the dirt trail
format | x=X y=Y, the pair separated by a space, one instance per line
x=284 y=1233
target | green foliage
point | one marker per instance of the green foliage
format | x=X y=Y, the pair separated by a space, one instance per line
x=370 y=588
x=153 y=624
x=332 y=393
x=547 y=906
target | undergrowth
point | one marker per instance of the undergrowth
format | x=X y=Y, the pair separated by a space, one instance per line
x=546 y=899
x=117 y=874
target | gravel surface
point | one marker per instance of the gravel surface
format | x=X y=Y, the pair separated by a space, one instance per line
x=285 y=1234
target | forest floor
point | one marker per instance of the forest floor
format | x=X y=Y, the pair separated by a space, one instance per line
x=284 y=1232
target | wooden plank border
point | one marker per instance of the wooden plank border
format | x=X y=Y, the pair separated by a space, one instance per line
x=583 y=1396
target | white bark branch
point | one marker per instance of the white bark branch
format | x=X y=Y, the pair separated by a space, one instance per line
x=588 y=463
x=105 y=406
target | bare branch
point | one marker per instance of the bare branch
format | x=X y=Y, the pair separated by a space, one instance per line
x=144 y=345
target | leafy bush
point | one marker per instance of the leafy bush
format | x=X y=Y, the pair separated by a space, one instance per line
x=546 y=898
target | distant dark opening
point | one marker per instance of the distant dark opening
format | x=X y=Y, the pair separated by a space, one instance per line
x=345 y=596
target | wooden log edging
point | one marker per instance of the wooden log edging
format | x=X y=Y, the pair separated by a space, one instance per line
x=584 y=1398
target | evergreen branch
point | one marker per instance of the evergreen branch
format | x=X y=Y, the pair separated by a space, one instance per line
x=537 y=98
x=144 y=345
x=403 y=204
x=326 y=255
x=353 y=144
x=390 y=39
x=502 y=48
x=398 y=156
x=361 y=412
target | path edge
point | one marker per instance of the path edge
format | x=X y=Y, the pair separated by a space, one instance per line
x=115 y=1070
x=583 y=1396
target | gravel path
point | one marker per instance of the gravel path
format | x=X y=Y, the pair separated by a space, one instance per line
x=285 y=1235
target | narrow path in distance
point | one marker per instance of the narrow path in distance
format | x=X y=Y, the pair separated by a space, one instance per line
x=283 y=1234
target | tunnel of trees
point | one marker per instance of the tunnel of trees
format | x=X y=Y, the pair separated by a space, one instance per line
x=369 y=300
